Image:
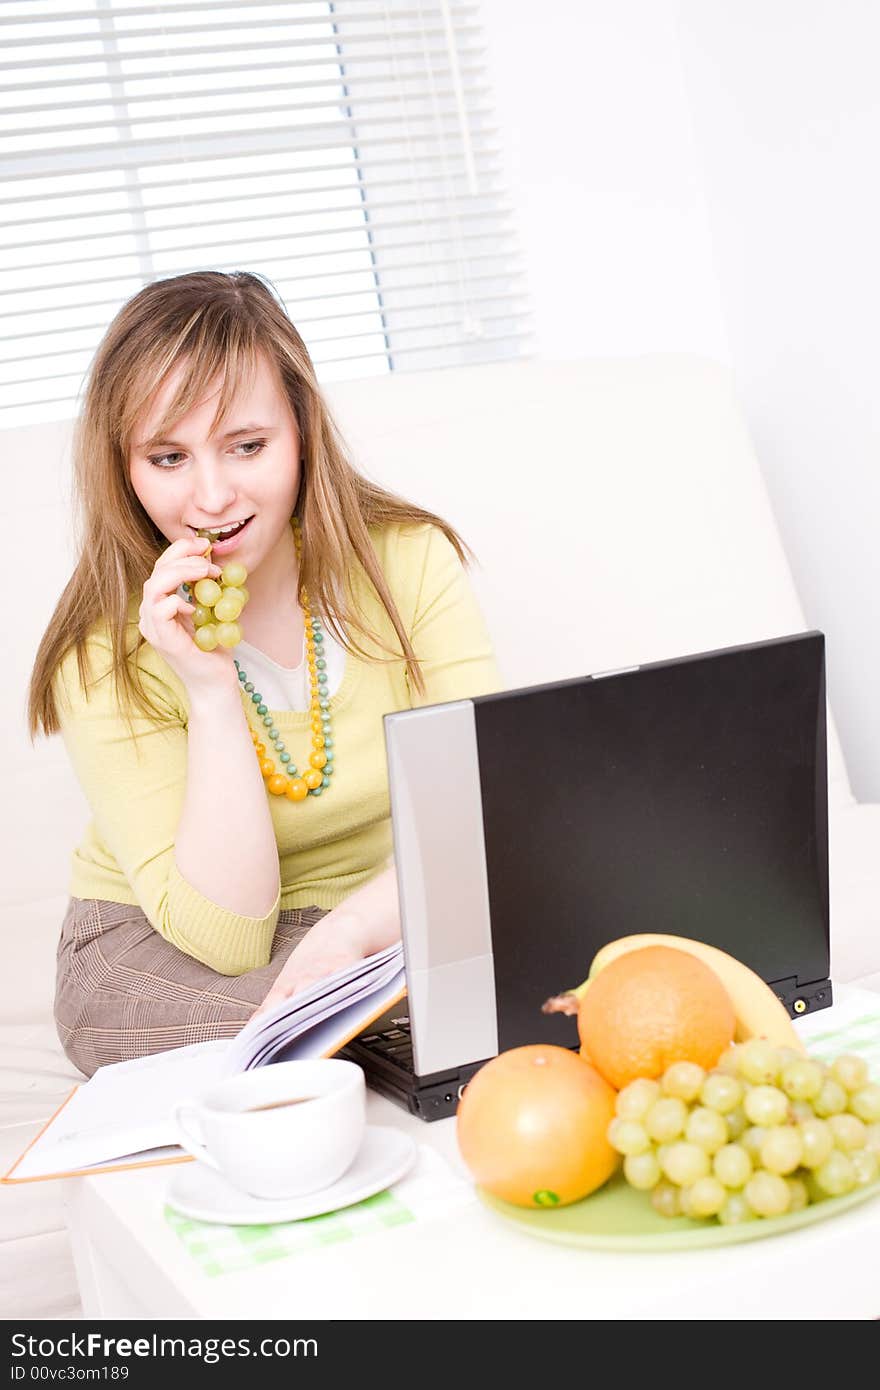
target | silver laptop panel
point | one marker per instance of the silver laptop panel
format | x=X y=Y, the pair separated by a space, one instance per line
x=437 y=818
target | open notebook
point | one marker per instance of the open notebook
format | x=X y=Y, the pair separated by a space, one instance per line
x=122 y=1117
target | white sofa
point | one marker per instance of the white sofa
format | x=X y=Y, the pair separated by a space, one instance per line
x=618 y=512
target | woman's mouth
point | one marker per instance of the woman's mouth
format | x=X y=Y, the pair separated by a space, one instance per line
x=227 y=542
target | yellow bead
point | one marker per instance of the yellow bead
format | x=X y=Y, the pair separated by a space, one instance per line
x=297 y=789
x=312 y=778
x=277 y=784
x=317 y=759
x=267 y=767
x=317 y=740
x=260 y=749
x=317 y=725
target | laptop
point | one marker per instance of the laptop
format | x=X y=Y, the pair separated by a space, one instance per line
x=533 y=826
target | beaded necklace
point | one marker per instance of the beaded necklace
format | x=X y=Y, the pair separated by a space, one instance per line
x=287 y=781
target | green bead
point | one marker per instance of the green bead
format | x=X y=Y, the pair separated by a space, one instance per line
x=250 y=685
x=326 y=782
x=321 y=664
x=330 y=756
x=261 y=708
x=267 y=720
x=285 y=757
x=328 y=743
x=315 y=791
x=319 y=636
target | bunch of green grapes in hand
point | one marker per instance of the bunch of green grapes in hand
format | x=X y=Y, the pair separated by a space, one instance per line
x=218 y=606
x=766 y=1132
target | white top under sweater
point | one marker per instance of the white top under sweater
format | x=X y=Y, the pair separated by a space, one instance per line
x=283 y=687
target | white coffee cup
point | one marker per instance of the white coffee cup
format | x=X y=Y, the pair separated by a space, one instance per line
x=282 y=1130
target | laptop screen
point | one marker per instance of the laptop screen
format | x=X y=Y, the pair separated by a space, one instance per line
x=686 y=797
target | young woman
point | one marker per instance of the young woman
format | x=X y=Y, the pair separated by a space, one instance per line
x=240 y=842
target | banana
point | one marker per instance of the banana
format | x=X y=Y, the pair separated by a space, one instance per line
x=759 y=1013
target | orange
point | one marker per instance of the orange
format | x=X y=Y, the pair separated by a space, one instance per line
x=532 y=1127
x=651 y=1007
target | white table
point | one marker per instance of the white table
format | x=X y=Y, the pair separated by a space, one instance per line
x=470 y=1264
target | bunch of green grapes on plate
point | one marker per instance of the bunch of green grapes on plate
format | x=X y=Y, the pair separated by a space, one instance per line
x=767 y=1131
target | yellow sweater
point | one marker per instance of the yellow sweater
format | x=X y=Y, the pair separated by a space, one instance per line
x=327 y=845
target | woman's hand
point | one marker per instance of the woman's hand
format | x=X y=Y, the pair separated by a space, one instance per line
x=330 y=945
x=165 y=619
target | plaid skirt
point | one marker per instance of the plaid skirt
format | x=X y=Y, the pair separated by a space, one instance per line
x=123 y=991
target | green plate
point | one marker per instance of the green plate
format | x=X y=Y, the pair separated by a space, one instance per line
x=617 y=1217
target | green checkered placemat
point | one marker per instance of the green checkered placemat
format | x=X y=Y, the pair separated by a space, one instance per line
x=429 y=1190
x=856 y=1030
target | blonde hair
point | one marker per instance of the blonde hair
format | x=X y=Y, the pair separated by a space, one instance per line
x=217 y=325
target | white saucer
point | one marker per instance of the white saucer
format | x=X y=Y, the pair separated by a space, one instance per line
x=198 y=1191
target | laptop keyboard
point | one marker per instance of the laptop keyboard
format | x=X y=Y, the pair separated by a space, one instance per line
x=395 y=1043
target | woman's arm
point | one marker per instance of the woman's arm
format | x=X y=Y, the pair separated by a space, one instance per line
x=367 y=921
x=225 y=842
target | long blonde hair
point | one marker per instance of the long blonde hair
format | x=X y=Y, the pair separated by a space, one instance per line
x=216 y=325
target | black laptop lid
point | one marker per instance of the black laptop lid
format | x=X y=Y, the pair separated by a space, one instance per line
x=687 y=797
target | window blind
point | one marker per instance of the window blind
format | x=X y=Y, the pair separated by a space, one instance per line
x=347 y=151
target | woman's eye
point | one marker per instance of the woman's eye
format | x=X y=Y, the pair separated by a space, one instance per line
x=251 y=446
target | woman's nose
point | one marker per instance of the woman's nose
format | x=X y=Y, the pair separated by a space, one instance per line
x=212 y=492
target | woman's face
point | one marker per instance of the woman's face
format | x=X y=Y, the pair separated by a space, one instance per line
x=248 y=471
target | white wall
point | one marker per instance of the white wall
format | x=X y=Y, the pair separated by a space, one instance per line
x=698 y=175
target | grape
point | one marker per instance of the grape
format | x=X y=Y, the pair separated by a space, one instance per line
x=633 y=1101
x=732 y=1165
x=849 y=1132
x=801 y=1110
x=207 y=591
x=818 y=1141
x=683 y=1079
x=228 y=607
x=683 y=1163
x=233 y=574
x=782 y=1149
x=666 y=1199
x=706 y=1197
x=872 y=1138
x=706 y=1128
x=642 y=1171
x=666 y=1119
x=228 y=634
x=851 y=1072
x=721 y=1092
x=800 y=1197
x=737 y=1124
x=866 y=1103
x=767 y=1194
x=728 y=1062
x=837 y=1174
x=757 y=1061
x=735 y=1210
x=628 y=1136
x=801 y=1080
x=866 y=1166
x=202 y=615
x=766 y=1105
x=206 y=637
x=751 y=1140
x=831 y=1099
